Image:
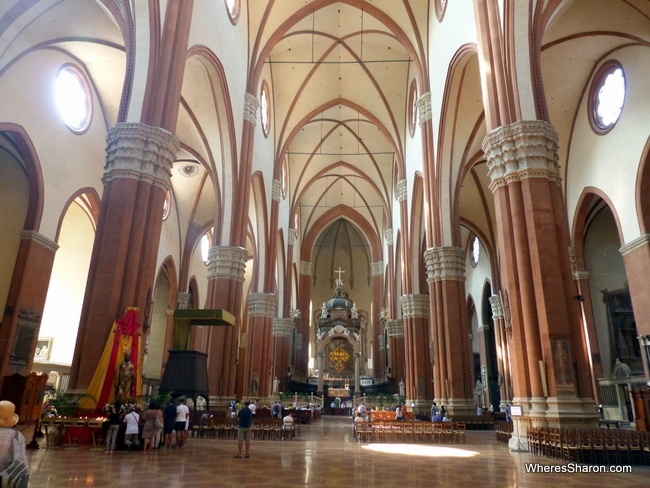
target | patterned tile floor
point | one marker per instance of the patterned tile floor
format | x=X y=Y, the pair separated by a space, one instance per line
x=323 y=455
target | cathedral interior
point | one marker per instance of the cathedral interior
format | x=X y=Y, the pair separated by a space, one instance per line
x=413 y=198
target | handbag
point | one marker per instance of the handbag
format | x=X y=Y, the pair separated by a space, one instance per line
x=17 y=473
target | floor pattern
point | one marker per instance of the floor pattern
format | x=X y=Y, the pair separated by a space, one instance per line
x=325 y=454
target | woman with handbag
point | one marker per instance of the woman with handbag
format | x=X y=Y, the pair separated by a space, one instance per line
x=14 y=470
x=149 y=430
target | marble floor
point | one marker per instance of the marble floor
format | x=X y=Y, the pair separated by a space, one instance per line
x=325 y=454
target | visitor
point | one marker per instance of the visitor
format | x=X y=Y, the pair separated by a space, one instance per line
x=244 y=429
x=169 y=421
x=288 y=426
x=182 y=416
x=8 y=434
x=434 y=411
x=149 y=429
x=276 y=410
x=361 y=410
x=479 y=410
x=399 y=415
x=446 y=418
x=404 y=411
x=114 y=415
x=253 y=407
x=132 y=433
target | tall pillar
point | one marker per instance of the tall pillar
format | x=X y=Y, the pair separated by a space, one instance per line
x=282 y=333
x=261 y=312
x=396 y=348
x=549 y=365
x=503 y=353
x=136 y=180
x=302 y=329
x=446 y=279
x=636 y=256
x=226 y=267
x=26 y=298
x=415 y=312
x=376 y=284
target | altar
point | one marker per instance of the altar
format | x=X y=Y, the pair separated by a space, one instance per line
x=343 y=393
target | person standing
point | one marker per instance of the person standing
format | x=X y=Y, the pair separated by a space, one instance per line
x=132 y=434
x=244 y=429
x=434 y=411
x=253 y=407
x=182 y=416
x=169 y=420
x=113 y=426
x=398 y=413
x=149 y=430
x=8 y=420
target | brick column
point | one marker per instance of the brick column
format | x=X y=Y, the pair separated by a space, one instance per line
x=503 y=353
x=415 y=312
x=261 y=312
x=226 y=266
x=396 y=348
x=302 y=328
x=282 y=334
x=136 y=180
x=549 y=365
x=376 y=285
x=446 y=280
x=26 y=298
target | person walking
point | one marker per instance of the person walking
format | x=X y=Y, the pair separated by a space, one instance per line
x=244 y=429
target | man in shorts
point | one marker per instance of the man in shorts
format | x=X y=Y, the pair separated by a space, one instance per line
x=180 y=426
x=244 y=429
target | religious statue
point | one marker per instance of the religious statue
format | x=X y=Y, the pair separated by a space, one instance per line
x=402 y=388
x=254 y=385
x=276 y=385
x=125 y=378
x=354 y=311
x=296 y=314
x=323 y=311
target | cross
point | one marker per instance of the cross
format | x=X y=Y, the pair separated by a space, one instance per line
x=339 y=272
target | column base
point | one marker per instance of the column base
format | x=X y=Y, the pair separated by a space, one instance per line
x=459 y=406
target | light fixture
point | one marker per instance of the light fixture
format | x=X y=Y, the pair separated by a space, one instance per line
x=188 y=170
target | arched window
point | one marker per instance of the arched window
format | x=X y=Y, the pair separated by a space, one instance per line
x=265 y=108
x=232 y=6
x=72 y=97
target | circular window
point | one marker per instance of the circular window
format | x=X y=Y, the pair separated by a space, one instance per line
x=441 y=7
x=265 y=108
x=474 y=251
x=167 y=205
x=232 y=6
x=72 y=98
x=606 y=97
x=413 y=107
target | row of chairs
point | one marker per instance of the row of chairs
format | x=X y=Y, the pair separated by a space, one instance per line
x=410 y=432
x=591 y=446
x=265 y=429
x=503 y=431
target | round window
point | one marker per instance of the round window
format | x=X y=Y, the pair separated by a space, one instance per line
x=607 y=96
x=72 y=98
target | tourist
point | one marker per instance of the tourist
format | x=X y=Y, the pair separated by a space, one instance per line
x=404 y=411
x=8 y=421
x=434 y=411
x=169 y=421
x=253 y=407
x=160 y=425
x=479 y=410
x=399 y=415
x=276 y=410
x=114 y=415
x=149 y=429
x=446 y=418
x=244 y=429
x=182 y=416
x=132 y=434
x=361 y=410
x=287 y=426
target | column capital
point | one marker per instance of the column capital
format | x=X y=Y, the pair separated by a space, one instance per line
x=402 y=190
x=395 y=327
x=424 y=108
x=445 y=263
x=251 y=103
x=497 y=307
x=415 y=306
x=276 y=190
x=183 y=299
x=377 y=268
x=293 y=236
x=282 y=327
x=388 y=236
x=635 y=244
x=525 y=149
x=32 y=235
x=261 y=305
x=305 y=268
x=140 y=152
x=581 y=275
x=227 y=262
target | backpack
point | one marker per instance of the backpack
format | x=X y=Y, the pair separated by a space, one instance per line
x=17 y=473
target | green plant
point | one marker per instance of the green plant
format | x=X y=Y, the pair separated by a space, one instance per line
x=62 y=403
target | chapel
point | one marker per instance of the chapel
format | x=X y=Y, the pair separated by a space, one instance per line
x=441 y=200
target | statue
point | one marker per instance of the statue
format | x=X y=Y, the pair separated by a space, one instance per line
x=402 y=388
x=276 y=385
x=296 y=314
x=323 y=311
x=353 y=310
x=125 y=378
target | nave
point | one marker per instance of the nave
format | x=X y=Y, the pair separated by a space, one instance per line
x=324 y=454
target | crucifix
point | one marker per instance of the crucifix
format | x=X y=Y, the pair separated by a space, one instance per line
x=339 y=272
